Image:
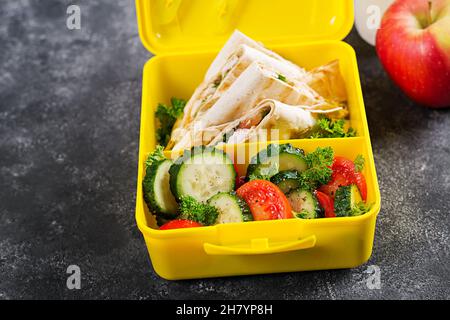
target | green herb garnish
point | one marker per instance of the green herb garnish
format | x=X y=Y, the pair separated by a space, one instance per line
x=194 y=210
x=319 y=171
x=155 y=156
x=361 y=208
x=359 y=163
x=167 y=116
x=282 y=77
x=327 y=128
x=302 y=215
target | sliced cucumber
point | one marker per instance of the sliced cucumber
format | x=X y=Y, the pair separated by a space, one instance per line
x=274 y=159
x=347 y=201
x=157 y=194
x=287 y=180
x=201 y=173
x=232 y=209
x=305 y=204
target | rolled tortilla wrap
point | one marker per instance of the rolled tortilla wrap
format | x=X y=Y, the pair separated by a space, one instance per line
x=240 y=59
x=255 y=84
x=244 y=74
x=328 y=82
x=274 y=121
x=215 y=134
x=269 y=120
x=237 y=39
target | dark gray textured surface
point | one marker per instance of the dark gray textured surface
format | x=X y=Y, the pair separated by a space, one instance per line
x=69 y=130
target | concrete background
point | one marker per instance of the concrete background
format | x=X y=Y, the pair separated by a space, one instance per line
x=69 y=132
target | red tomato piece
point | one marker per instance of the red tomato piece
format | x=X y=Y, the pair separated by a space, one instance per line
x=344 y=174
x=361 y=183
x=327 y=203
x=344 y=167
x=180 y=224
x=266 y=200
x=341 y=163
x=337 y=180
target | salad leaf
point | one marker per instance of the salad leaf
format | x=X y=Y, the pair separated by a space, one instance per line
x=359 y=163
x=361 y=208
x=178 y=107
x=194 y=210
x=155 y=156
x=167 y=116
x=319 y=168
x=328 y=128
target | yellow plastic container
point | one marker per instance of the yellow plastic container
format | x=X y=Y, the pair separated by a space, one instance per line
x=186 y=36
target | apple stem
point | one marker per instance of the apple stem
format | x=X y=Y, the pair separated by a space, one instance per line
x=429 y=18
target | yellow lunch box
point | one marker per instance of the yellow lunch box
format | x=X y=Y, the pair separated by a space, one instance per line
x=185 y=36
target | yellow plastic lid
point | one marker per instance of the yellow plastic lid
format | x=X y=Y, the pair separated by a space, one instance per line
x=172 y=26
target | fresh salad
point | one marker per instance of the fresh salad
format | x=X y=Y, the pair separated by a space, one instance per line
x=202 y=187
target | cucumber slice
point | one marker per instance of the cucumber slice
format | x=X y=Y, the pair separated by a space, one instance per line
x=232 y=209
x=305 y=204
x=157 y=194
x=347 y=200
x=274 y=159
x=287 y=180
x=201 y=173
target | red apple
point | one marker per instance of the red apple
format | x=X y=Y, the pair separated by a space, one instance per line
x=413 y=44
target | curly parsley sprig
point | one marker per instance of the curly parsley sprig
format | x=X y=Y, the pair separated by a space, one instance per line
x=167 y=116
x=319 y=168
x=328 y=128
x=191 y=209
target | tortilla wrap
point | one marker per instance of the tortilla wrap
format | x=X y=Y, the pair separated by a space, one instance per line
x=328 y=82
x=240 y=59
x=237 y=39
x=269 y=120
x=255 y=84
x=245 y=73
x=278 y=121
